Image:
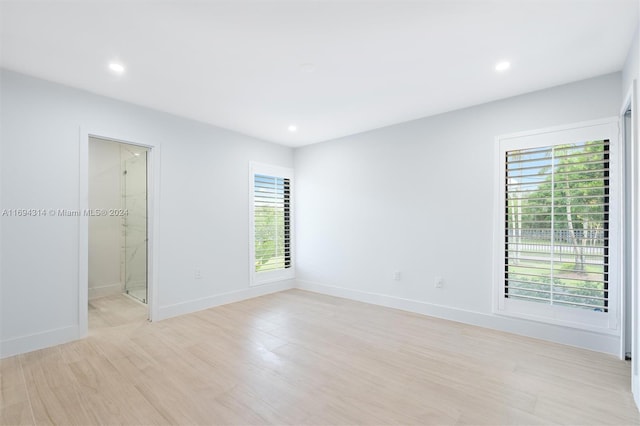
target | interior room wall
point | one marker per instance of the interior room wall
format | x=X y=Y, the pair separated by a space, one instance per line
x=418 y=198
x=631 y=72
x=202 y=206
x=631 y=64
x=105 y=232
x=366 y=206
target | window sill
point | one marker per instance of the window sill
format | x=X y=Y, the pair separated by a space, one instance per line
x=595 y=322
x=260 y=278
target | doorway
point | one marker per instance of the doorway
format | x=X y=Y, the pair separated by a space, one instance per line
x=627 y=273
x=629 y=340
x=117 y=218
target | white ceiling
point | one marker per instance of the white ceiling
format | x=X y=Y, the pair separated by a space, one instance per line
x=240 y=64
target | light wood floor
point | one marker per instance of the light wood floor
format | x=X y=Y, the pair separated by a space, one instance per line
x=301 y=358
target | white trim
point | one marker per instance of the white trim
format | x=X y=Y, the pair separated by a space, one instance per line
x=629 y=187
x=635 y=388
x=270 y=169
x=36 y=341
x=631 y=101
x=260 y=278
x=560 y=128
x=1 y=245
x=597 y=322
x=153 y=185
x=153 y=231
x=628 y=99
x=195 y=305
x=105 y=290
x=83 y=237
x=585 y=339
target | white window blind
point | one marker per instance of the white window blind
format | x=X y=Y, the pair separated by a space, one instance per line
x=556 y=225
x=272 y=222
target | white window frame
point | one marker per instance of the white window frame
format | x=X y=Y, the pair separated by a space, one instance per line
x=601 y=322
x=265 y=277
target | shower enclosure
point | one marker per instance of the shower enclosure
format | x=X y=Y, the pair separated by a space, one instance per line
x=118 y=225
x=134 y=203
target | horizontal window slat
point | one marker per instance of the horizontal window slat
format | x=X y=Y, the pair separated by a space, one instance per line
x=514 y=196
x=515 y=226
x=538 y=153
x=591 y=290
x=518 y=296
x=601 y=298
x=557 y=159
x=557 y=302
x=593 y=260
x=516 y=177
x=548 y=248
x=558 y=275
x=516 y=245
x=543 y=288
x=582 y=305
x=590 y=260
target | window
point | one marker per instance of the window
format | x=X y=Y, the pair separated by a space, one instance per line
x=271 y=224
x=556 y=255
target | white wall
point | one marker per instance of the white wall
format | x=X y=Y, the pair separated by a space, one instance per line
x=418 y=198
x=203 y=207
x=415 y=197
x=105 y=232
x=631 y=64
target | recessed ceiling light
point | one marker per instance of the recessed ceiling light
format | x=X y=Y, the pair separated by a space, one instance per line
x=308 y=67
x=503 y=66
x=116 y=67
x=292 y=128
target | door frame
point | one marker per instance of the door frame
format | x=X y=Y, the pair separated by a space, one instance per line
x=153 y=192
x=630 y=257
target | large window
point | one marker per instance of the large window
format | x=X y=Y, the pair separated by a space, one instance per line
x=557 y=247
x=271 y=224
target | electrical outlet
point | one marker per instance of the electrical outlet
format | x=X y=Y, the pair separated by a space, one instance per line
x=198 y=274
x=397 y=276
x=439 y=282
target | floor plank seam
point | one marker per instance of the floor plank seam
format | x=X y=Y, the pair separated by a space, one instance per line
x=24 y=382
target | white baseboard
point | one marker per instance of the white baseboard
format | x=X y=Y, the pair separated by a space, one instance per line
x=580 y=338
x=45 y=339
x=555 y=333
x=33 y=342
x=105 y=290
x=635 y=389
x=174 y=310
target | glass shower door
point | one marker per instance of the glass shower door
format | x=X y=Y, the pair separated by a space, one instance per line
x=135 y=224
